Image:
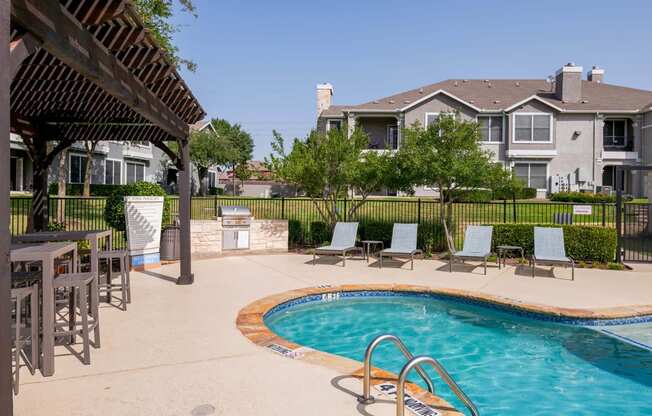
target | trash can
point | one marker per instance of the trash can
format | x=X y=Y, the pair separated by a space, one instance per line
x=170 y=243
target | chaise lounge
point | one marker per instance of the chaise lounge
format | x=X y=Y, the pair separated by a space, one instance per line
x=549 y=249
x=404 y=243
x=477 y=245
x=343 y=242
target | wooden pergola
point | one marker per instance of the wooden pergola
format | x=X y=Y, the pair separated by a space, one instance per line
x=83 y=70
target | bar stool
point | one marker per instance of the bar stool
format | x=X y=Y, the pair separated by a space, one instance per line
x=125 y=282
x=25 y=298
x=74 y=290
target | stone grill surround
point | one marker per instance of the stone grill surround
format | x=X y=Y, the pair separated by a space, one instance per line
x=265 y=236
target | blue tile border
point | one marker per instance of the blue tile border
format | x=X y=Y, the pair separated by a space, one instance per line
x=335 y=295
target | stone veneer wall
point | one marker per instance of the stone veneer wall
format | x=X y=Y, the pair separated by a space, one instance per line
x=264 y=236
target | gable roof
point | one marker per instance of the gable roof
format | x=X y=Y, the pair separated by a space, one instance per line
x=504 y=94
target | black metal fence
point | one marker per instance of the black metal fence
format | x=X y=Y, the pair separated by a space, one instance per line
x=306 y=225
x=636 y=233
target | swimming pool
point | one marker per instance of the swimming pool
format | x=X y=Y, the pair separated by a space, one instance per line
x=507 y=364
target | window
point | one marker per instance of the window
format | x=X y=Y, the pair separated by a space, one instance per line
x=77 y=168
x=334 y=124
x=211 y=180
x=392 y=138
x=615 y=133
x=491 y=128
x=533 y=128
x=534 y=175
x=113 y=172
x=135 y=172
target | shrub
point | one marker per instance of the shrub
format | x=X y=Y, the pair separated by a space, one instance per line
x=430 y=235
x=114 y=213
x=295 y=233
x=76 y=189
x=319 y=232
x=582 y=242
x=582 y=197
x=485 y=195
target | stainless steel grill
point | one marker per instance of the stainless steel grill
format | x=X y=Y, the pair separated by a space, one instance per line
x=234 y=216
x=236 y=221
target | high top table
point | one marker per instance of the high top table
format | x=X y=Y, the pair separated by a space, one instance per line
x=45 y=253
x=95 y=237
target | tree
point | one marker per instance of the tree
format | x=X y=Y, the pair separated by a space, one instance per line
x=89 y=146
x=207 y=150
x=327 y=166
x=242 y=145
x=156 y=15
x=448 y=155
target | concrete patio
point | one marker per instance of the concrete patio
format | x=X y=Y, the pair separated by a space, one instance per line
x=177 y=351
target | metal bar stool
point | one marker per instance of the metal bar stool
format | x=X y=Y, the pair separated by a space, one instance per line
x=76 y=287
x=125 y=282
x=25 y=300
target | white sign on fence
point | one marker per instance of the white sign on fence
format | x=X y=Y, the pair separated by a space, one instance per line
x=143 y=215
x=582 y=210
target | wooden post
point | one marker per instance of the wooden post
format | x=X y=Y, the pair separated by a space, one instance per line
x=186 y=277
x=6 y=394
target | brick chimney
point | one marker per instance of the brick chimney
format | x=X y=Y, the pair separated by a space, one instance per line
x=596 y=74
x=324 y=97
x=568 y=83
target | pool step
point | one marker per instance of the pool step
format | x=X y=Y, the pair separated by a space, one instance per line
x=639 y=335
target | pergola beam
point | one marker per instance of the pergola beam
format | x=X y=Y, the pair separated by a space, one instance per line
x=63 y=36
x=20 y=49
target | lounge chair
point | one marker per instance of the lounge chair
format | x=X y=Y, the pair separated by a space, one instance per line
x=404 y=243
x=549 y=248
x=343 y=241
x=477 y=245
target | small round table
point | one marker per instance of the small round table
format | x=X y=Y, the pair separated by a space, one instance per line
x=366 y=247
x=502 y=250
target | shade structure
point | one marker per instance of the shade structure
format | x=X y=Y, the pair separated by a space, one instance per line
x=83 y=70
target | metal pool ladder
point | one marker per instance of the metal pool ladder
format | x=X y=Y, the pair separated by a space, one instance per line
x=413 y=363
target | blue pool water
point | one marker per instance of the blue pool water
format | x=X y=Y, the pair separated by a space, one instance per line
x=508 y=365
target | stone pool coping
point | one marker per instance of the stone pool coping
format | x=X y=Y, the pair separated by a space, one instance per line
x=251 y=323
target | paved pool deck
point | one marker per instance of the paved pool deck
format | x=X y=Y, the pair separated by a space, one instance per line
x=177 y=350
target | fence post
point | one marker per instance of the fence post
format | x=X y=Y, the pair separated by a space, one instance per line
x=282 y=207
x=514 y=208
x=504 y=211
x=419 y=211
x=345 y=211
x=604 y=214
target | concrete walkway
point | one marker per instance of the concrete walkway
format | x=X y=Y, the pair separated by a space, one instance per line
x=177 y=352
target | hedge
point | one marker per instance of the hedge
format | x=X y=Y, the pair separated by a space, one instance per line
x=430 y=235
x=76 y=189
x=114 y=213
x=582 y=197
x=582 y=242
x=486 y=195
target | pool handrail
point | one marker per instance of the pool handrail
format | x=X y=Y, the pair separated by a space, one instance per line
x=416 y=362
x=366 y=397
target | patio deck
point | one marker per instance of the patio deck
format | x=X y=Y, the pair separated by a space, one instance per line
x=177 y=351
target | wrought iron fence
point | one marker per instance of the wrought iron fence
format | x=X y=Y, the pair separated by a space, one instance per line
x=376 y=216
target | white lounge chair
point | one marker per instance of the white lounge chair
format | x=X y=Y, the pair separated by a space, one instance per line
x=549 y=249
x=404 y=243
x=343 y=241
x=477 y=245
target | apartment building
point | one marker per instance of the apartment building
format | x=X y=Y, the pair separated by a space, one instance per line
x=560 y=133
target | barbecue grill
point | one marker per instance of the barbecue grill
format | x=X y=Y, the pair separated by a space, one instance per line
x=236 y=221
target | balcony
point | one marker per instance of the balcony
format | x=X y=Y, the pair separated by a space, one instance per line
x=619 y=155
x=137 y=151
x=101 y=147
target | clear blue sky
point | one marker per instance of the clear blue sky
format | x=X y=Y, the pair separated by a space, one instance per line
x=259 y=61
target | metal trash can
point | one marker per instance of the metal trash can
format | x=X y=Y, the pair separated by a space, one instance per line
x=171 y=243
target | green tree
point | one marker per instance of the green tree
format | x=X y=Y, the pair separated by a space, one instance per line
x=207 y=150
x=242 y=148
x=448 y=155
x=328 y=166
x=156 y=15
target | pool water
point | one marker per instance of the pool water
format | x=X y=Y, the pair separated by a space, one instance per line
x=506 y=364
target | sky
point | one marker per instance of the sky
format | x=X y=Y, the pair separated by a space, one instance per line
x=259 y=61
